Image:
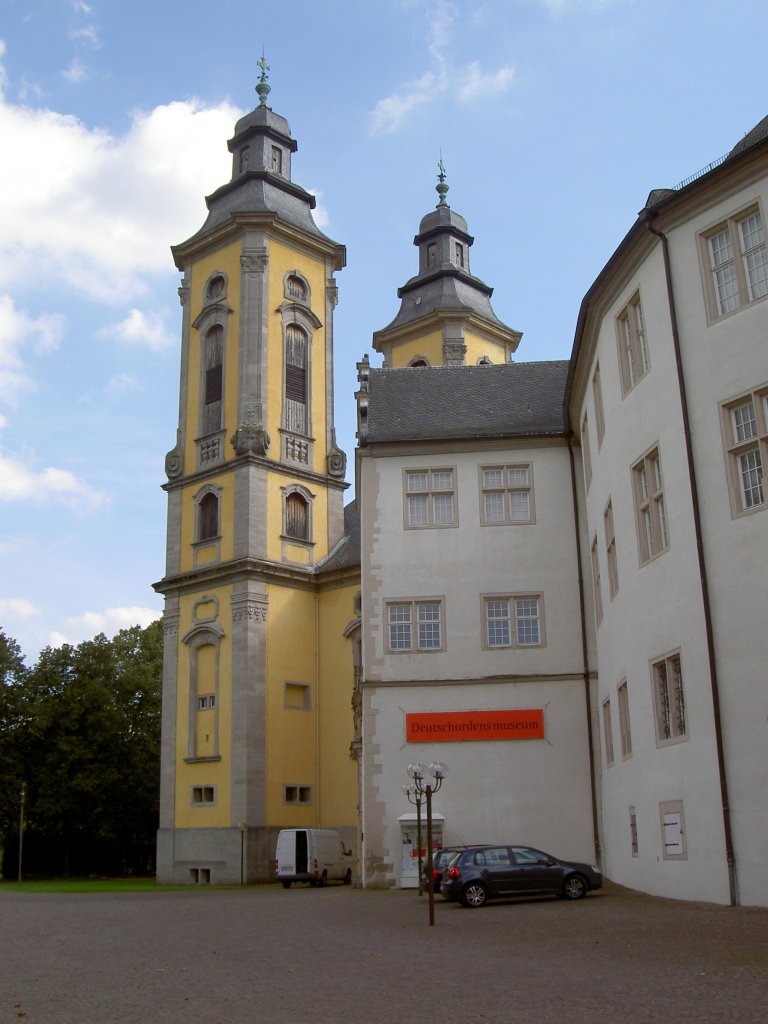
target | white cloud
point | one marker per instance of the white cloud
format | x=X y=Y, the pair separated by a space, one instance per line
x=89 y=624
x=476 y=83
x=75 y=72
x=432 y=86
x=120 y=383
x=16 y=608
x=22 y=482
x=320 y=212
x=81 y=7
x=86 y=34
x=96 y=212
x=564 y=6
x=146 y=329
x=18 y=331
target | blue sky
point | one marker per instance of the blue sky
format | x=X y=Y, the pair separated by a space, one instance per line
x=555 y=118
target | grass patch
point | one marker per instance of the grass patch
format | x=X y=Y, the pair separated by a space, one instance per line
x=96 y=885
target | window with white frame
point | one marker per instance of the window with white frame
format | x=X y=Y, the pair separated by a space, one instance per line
x=586 y=456
x=633 y=348
x=610 y=550
x=596 y=583
x=297 y=794
x=633 y=831
x=507 y=494
x=608 y=732
x=597 y=395
x=650 y=510
x=674 y=842
x=669 y=699
x=429 y=498
x=745 y=432
x=202 y=795
x=737 y=261
x=624 y=729
x=415 y=625
x=514 y=621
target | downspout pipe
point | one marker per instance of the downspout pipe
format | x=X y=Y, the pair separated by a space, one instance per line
x=585 y=658
x=730 y=858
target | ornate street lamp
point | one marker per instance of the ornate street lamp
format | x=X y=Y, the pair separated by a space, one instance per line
x=425 y=788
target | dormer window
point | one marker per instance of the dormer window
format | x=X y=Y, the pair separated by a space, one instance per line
x=277 y=160
x=217 y=288
x=296 y=288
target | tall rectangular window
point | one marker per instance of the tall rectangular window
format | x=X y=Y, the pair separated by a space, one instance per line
x=610 y=550
x=586 y=455
x=633 y=348
x=296 y=379
x=507 y=494
x=608 y=732
x=624 y=730
x=633 y=831
x=415 y=625
x=597 y=395
x=513 y=621
x=650 y=510
x=745 y=432
x=213 y=380
x=737 y=259
x=596 y=583
x=669 y=699
x=429 y=498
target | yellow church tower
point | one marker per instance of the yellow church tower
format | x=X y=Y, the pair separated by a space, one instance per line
x=261 y=583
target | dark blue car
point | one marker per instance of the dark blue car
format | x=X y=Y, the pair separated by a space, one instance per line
x=481 y=873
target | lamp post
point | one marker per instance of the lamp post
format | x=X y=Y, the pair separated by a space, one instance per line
x=437 y=772
x=414 y=797
x=243 y=828
x=23 y=796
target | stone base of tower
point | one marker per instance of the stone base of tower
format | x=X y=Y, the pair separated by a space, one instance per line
x=215 y=856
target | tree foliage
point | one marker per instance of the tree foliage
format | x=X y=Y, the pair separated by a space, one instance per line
x=83 y=732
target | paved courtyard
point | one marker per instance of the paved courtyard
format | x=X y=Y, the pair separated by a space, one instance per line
x=346 y=956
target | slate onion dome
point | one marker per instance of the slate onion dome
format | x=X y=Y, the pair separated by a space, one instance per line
x=261 y=148
x=444 y=289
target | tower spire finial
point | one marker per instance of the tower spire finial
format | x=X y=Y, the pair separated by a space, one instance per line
x=442 y=186
x=263 y=88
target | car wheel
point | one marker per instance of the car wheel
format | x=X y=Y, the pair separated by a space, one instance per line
x=348 y=877
x=474 y=895
x=286 y=884
x=575 y=887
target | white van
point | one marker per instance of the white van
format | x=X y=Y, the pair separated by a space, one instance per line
x=314 y=855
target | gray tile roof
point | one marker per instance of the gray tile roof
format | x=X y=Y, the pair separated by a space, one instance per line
x=347 y=554
x=441 y=402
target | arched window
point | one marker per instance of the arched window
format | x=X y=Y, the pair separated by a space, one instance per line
x=418 y=362
x=295 y=379
x=208 y=517
x=297 y=517
x=213 y=379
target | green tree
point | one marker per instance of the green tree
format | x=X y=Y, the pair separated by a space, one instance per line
x=90 y=749
x=13 y=673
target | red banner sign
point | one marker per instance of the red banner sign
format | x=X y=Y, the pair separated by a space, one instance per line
x=461 y=726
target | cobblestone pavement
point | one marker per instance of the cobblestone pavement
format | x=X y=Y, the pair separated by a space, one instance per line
x=347 y=956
